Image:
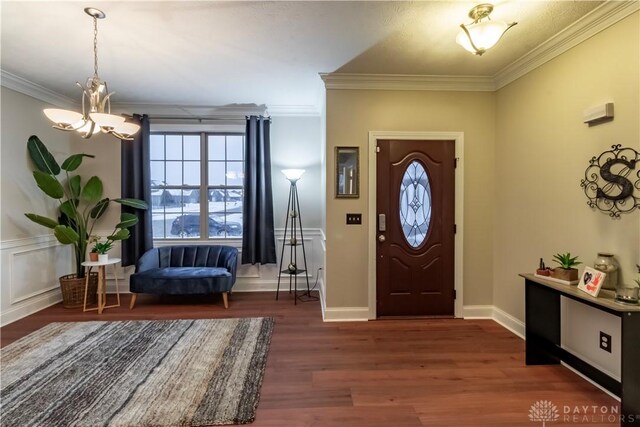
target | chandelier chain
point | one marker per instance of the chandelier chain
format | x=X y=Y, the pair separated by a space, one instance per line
x=95 y=46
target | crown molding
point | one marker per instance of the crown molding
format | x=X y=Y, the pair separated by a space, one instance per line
x=222 y=111
x=26 y=87
x=407 y=82
x=586 y=27
x=233 y=111
x=293 y=110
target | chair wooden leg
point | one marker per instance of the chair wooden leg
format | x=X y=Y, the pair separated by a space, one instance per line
x=133 y=301
x=225 y=299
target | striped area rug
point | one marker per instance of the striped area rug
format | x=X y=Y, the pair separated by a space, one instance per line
x=136 y=373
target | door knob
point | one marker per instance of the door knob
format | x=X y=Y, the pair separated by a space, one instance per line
x=381 y=238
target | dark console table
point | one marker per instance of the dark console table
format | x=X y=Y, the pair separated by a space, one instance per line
x=542 y=322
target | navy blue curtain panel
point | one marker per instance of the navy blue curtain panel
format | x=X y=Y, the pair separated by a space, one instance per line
x=258 y=241
x=136 y=183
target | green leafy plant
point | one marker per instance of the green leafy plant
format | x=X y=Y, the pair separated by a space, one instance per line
x=102 y=247
x=566 y=261
x=80 y=205
x=638 y=279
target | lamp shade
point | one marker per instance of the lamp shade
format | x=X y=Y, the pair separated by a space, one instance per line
x=484 y=35
x=108 y=121
x=293 y=174
x=62 y=117
x=127 y=129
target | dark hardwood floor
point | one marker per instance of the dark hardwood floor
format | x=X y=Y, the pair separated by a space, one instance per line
x=436 y=372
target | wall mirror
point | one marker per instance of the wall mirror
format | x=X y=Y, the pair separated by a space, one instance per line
x=347 y=172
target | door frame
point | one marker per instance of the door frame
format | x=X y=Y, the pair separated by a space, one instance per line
x=458 y=137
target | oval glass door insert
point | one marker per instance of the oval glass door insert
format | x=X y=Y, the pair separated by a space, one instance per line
x=415 y=204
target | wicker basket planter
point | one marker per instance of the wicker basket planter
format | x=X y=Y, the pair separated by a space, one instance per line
x=72 y=289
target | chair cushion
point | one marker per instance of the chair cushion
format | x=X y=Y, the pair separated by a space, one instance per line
x=182 y=280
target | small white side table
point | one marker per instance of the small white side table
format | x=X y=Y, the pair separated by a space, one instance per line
x=102 y=288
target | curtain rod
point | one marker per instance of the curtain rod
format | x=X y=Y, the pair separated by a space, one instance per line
x=201 y=119
x=198 y=119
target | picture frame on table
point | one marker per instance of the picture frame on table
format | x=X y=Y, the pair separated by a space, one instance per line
x=591 y=281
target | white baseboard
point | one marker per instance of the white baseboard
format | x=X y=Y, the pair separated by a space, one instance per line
x=497 y=315
x=346 y=314
x=477 y=311
x=323 y=299
x=509 y=322
x=32 y=306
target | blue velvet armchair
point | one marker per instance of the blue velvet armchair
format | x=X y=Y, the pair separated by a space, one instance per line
x=183 y=270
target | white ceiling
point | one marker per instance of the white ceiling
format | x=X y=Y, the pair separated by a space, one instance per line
x=236 y=52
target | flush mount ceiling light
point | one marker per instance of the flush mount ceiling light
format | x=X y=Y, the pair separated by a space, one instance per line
x=96 y=116
x=480 y=35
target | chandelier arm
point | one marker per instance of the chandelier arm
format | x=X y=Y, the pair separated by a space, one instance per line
x=107 y=100
x=120 y=136
x=89 y=132
x=84 y=95
x=80 y=126
x=478 y=52
x=507 y=29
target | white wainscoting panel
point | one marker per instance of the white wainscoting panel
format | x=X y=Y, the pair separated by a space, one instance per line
x=30 y=268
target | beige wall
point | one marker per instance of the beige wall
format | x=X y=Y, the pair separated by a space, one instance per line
x=22 y=117
x=351 y=114
x=106 y=166
x=542 y=150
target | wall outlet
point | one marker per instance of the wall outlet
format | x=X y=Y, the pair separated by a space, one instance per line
x=605 y=342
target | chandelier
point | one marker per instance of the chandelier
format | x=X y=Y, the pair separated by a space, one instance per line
x=96 y=104
x=480 y=35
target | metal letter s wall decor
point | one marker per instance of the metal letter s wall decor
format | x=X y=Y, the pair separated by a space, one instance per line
x=612 y=181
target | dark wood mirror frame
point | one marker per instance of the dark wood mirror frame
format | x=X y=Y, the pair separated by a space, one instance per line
x=347 y=172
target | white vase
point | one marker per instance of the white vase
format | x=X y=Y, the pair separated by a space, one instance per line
x=103 y=257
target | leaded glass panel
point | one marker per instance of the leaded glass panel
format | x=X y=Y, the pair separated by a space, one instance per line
x=415 y=204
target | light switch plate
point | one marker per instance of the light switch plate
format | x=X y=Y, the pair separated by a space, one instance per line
x=354 y=218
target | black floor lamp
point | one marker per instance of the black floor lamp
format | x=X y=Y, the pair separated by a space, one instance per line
x=293 y=228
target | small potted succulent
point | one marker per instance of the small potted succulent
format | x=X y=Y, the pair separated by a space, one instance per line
x=566 y=271
x=101 y=248
x=93 y=254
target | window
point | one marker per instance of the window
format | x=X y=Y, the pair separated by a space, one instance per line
x=197 y=185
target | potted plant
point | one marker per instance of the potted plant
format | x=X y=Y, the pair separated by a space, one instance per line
x=93 y=255
x=566 y=271
x=101 y=248
x=80 y=204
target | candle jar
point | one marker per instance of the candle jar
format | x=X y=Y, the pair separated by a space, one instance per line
x=608 y=264
x=627 y=293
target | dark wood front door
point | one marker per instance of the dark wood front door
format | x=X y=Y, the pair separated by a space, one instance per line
x=415 y=228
